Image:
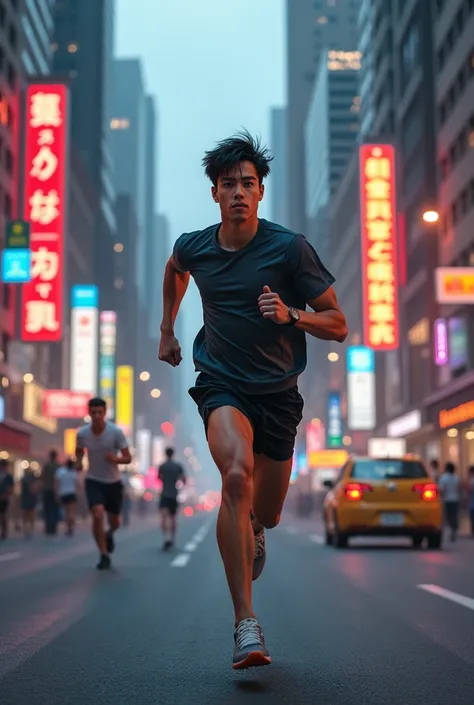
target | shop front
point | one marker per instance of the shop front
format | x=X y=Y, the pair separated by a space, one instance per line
x=453 y=418
x=418 y=432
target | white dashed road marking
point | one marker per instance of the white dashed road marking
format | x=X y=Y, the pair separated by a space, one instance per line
x=291 y=530
x=448 y=595
x=183 y=559
x=317 y=538
x=9 y=557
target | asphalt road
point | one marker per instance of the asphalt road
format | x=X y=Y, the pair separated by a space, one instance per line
x=347 y=627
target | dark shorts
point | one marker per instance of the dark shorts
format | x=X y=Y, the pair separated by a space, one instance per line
x=170 y=504
x=274 y=417
x=68 y=499
x=3 y=506
x=108 y=494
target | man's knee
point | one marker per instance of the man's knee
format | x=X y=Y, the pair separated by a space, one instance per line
x=268 y=521
x=237 y=479
x=97 y=513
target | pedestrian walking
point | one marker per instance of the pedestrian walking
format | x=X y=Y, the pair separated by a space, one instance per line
x=30 y=487
x=470 y=494
x=170 y=473
x=67 y=489
x=50 y=504
x=451 y=489
x=256 y=279
x=6 y=492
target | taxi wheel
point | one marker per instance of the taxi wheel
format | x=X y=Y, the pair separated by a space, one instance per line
x=435 y=541
x=329 y=537
x=339 y=539
x=417 y=541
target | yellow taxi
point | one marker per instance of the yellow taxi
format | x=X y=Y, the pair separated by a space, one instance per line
x=383 y=497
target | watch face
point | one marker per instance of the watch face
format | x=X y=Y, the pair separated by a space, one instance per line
x=294 y=314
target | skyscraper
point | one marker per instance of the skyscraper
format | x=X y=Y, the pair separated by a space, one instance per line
x=83 y=41
x=312 y=26
x=36 y=26
x=278 y=166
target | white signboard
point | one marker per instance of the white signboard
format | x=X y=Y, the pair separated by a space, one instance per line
x=158 y=453
x=404 y=425
x=84 y=339
x=361 y=406
x=143 y=437
x=386 y=447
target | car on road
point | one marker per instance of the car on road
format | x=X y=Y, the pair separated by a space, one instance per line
x=383 y=497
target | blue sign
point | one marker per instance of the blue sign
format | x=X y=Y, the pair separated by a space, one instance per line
x=16 y=266
x=360 y=359
x=334 y=431
x=84 y=296
x=2 y=409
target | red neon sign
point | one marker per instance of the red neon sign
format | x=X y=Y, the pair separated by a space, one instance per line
x=45 y=201
x=379 y=246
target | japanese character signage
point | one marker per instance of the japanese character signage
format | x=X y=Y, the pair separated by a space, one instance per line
x=334 y=428
x=84 y=338
x=455 y=285
x=108 y=337
x=379 y=246
x=45 y=204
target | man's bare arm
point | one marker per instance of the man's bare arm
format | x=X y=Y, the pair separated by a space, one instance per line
x=175 y=284
x=327 y=322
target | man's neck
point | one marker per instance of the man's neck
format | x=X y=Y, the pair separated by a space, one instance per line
x=234 y=236
x=98 y=429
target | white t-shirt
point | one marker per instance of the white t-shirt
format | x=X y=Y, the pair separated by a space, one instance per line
x=111 y=440
x=67 y=480
x=450 y=486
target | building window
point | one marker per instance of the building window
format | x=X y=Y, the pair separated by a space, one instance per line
x=410 y=52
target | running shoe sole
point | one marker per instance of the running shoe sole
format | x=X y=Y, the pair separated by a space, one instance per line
x=254 y=659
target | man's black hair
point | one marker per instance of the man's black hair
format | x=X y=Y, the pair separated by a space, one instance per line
x=97 y=401
x=169 y=452
x=451 y=468
x=241 y=147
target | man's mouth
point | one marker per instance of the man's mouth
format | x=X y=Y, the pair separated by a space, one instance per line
x=239 y=205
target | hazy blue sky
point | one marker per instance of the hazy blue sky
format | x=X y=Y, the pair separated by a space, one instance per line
x=213 y=66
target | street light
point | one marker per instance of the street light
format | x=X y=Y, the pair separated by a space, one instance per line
x=155 y=393
x=144 y=376
x=333 y=357
x=28 y=378
x=431 y=216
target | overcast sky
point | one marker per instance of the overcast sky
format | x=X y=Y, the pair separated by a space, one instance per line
x=213 y=66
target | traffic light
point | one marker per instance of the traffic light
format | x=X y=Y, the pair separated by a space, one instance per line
x=168 y=428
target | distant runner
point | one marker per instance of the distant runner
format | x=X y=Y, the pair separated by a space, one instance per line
x=170 y=473
x=103 y=441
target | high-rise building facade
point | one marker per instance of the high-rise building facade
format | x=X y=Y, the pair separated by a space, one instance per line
x=150 y=234
x=312 y=25
x=82 y=52
x=279 y=199
x=36 y=29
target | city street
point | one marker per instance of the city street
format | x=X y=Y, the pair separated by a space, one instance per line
x=344 y=627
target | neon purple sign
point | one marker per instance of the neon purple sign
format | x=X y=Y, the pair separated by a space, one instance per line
x=441 y=342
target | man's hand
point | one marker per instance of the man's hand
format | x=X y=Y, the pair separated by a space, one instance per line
x=272 y=307
x=170 y=350
x=111 y=458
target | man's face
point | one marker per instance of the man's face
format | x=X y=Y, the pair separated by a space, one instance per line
x=238 y=193
x=97 y=414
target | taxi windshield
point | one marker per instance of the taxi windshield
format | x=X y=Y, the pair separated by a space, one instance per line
x=371 y=469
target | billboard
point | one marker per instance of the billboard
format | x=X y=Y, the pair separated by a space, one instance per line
x=143 y=450
x=334 y=430
x=379 y=246
x=84 y=338
x=441 y=342
x=45 y=210
x=361 y=404
x=386 y=447
x=124 y=399
x=108 y=343
x=455 y=285
x=65 y=404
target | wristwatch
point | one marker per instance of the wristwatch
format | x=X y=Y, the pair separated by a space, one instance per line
x=294 y=315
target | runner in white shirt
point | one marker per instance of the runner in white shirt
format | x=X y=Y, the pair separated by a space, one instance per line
x=67 y=485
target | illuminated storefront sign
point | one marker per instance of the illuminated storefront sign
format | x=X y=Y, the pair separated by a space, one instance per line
x=344 y=60
x=441 y=342
x=458 y=342
x=459 y=414
x=108 y=341
x=33 y=403
x=70 y=441
x=84 y=338
x=124 y=399
x=45 y=206
x=361 y=407
x=386 y=447
x=379 y=246
x=334 y=434
x=143 y=450
x=404 y=425
x=329 y=458
x=65 y=404
x=455 y=285
x=314 y=440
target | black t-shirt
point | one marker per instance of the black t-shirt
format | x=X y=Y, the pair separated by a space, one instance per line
x=169 y=473
x=236 y=343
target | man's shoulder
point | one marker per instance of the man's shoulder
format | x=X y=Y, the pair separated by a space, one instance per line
x=84 y=431
x=284 y=235
x=113 y=428
x=197 y=237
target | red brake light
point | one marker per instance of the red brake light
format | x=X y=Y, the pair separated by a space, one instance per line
x=355 y=490
x=428 y=491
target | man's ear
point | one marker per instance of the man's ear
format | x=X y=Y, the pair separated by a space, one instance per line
x=214 y=194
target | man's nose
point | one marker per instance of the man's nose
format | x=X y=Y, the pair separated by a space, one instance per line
x=239 y=190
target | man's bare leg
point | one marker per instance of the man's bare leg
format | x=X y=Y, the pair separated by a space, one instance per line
x=98 y=529
x=270 y=487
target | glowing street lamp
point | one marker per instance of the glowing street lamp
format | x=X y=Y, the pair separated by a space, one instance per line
x=155 y=393
x=431 y=216
x=144 y=376
x=333 y=357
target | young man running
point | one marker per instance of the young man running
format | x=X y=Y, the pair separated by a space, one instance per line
x=255 y=279
x=169 y=473
x=106 y=448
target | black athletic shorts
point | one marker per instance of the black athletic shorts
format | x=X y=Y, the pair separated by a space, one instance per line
x=170 y=504
x=68 y=498
x=274 y=417
x=108 y=494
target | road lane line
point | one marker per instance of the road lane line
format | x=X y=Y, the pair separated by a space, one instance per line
x=290 y=530
x=190 y=547
x=317 y=538
x=10 y=557
x=448 y=595
x=181 y=560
